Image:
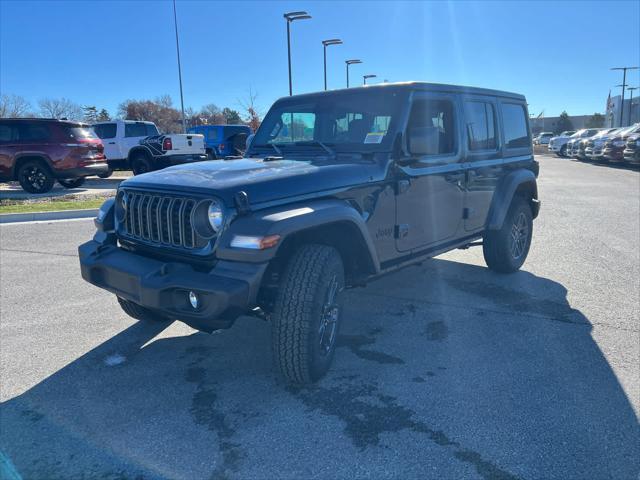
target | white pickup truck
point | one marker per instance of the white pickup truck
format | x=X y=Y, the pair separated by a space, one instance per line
x=139 y=146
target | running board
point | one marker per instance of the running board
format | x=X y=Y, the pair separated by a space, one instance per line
x=472 y=244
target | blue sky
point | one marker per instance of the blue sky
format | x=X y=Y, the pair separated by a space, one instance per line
x=101 y=52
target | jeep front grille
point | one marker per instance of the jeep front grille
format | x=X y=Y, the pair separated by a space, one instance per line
x=160 y=220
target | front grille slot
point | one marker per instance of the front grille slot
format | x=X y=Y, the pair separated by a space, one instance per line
x=161 y=220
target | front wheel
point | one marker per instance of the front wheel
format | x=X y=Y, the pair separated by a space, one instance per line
x=563 y=151
x=307 y=313
x=71 y=182
x=505 y=250
x=106 y=174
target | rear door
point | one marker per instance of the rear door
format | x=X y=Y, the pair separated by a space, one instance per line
x=484 y=159
x=430 y=188
x=107 y=133
x=133 y=133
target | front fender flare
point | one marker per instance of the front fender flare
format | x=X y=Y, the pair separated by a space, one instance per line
x=289 y=220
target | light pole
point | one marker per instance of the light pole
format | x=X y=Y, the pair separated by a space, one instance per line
x=351 y=62
x=624 y=85
x=364 y=78
x=291 y=17
x=325 y=43
x=631 y=89
x=175 y=23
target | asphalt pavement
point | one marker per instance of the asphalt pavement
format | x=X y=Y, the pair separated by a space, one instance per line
x=443 y=371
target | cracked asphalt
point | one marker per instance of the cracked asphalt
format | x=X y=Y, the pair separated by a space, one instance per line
x=444 y=371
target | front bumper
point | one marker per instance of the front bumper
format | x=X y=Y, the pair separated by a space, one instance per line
x=613 y=154
x=631 y=155
x=227 y=291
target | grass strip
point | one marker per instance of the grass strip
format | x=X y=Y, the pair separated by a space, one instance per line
x=53 y=206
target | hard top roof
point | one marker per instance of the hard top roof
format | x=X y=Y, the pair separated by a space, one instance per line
x=416 y=86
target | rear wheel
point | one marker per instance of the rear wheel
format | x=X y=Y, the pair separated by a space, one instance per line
x=35 y=177
x=505 y=250
x=71 y=182
x=140 y=313
x=140 y=164
x=106 y=174
x=307 y=314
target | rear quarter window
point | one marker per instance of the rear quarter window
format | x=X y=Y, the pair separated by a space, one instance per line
x=135 y=130
x=106 y=130
x=514 y=120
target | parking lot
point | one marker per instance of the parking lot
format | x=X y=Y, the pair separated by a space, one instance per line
x=446 y=370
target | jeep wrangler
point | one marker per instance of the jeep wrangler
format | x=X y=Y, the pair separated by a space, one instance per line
x=336 y=189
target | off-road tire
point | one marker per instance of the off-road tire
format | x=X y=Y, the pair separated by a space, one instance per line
x=140 y=164
x=140 y=313
x=300 y=311
x=28 y=172
x=498 y=246
x=71 y=182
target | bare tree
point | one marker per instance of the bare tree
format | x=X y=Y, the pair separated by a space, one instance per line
x=212 y=115
x=60 y=108
x=251 y=114
x=14 y=106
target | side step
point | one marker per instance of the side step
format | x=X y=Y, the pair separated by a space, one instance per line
x=472 y=244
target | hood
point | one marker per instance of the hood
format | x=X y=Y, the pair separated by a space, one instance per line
x=262 y=181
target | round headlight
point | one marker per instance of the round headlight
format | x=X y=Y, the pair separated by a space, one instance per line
x=215 y=215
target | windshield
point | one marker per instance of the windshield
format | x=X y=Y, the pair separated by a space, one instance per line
x=347 y=121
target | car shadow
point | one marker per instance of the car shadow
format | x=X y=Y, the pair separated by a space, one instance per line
x=444 y=365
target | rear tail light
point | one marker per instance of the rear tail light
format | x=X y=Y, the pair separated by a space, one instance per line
x=167 y=144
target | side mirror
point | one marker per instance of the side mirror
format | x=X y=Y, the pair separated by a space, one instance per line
x=424 y=141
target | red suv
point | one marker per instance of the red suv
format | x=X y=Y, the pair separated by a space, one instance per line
x=36 y=152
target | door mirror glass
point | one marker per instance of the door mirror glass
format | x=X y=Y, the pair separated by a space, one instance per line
x=424 y=141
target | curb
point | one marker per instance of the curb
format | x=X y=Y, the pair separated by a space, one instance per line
x=44 y=216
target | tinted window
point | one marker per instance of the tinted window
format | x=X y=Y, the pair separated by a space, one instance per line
x=481 y=125
x=7 y=133
x=135 y=130
x=514 y=119
x=151 y=129
x=435 y=120
x=105 y=130
x=34 y=132
x=81 y=132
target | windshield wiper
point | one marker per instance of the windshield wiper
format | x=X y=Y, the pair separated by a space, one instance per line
x=318 y=142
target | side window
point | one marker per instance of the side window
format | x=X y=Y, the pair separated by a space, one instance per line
x=135 y=130
x=34 y=133
x=105 y=130
x=151 y=130
x=434 y=120
x=481 y=126
x=7 y=133
x=514 y=119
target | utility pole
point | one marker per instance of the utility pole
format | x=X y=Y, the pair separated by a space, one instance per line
x=292 y=17
x=175 y=23
x=624 y=85
x=631 y=89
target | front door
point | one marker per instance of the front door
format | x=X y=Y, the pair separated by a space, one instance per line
x=430 y=186
x=485 y=160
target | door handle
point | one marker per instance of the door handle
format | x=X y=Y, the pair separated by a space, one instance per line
x=112 y=143
x=454 y=177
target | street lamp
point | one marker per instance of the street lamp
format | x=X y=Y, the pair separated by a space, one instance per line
x=175 y=23
x=291 y=17
x=325 y=43
x=364 y=78
x=624 y=84
x=351 y=62
x=631 y=89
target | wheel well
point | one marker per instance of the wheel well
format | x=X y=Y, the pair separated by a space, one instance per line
x=22 y=160
x=528 y=191
x=134 y=152
x=344 y=236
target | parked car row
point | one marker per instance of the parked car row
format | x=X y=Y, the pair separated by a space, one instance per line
x=37 y=152
x=615 y=145
x=543 y=138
